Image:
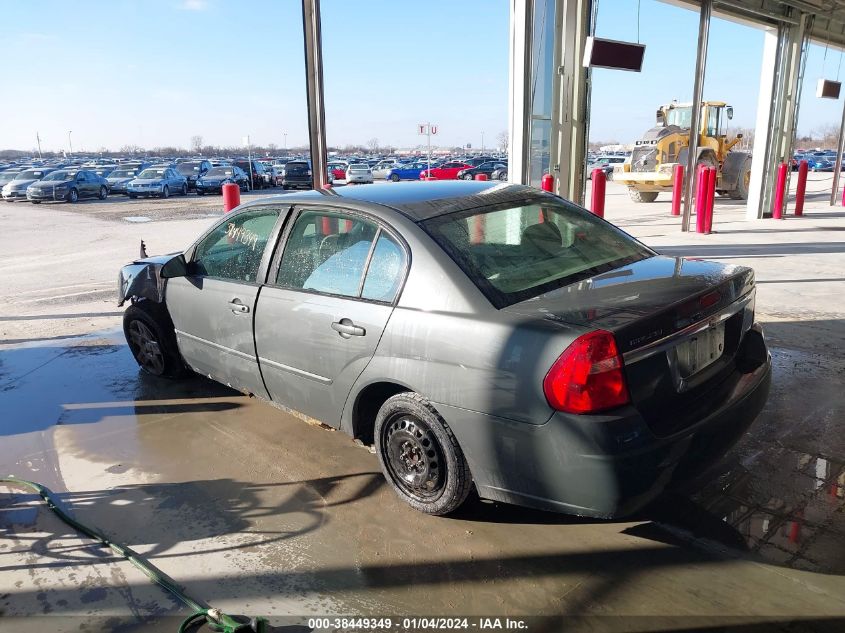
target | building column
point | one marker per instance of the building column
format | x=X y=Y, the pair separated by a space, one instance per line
x=519 y=90
x=311 y=29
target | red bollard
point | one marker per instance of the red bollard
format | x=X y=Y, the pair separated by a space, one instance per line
x=481 y=177
x=547 y=183
x=599 y=187
x=700 y=195
x=677 y=190
x=801 y=189
x=777 y=209
x=231 y=196
x=712 y=176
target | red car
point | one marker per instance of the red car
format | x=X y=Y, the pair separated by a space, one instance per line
x=446 y=171
x=338 y=170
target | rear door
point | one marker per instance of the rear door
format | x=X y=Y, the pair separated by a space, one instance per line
x=322 y=314
x=213 y=308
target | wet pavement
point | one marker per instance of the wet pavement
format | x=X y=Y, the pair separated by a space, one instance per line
x=257 y=512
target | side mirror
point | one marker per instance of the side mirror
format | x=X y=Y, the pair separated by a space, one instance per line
x=730 y=112
x=176 y=267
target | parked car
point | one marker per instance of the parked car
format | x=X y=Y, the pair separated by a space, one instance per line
x=297 y=175
x=7 y=176
x=259 y=179
x=446 y=171
x=568 y=367
x=101 y=170
x=475 y=161
x=338 y=170
x=358 y=173
x=216 y=177
x=818 y=163
x=382 y=168
x=15 y=189
x=406 y=172
x=157 y=181
x=120 y=177
x=499 y=174
x=606 y=164
x=192 y=170
x=69 y=185
x=484 y=168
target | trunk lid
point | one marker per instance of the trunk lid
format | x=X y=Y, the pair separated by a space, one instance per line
x=677 y=322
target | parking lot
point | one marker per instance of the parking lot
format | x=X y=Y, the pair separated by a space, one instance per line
x=259 y=512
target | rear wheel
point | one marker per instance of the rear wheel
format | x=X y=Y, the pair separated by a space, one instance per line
x=152 y=340
x=467 y=176
x=103 y=193
x=420 y=456
x=35 y=201
x=184 y=191
x=200 y=192
x=743 y=182
x=132 y=195
x=642 y=196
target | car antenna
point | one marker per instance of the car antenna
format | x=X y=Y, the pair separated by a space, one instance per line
x=143 y=254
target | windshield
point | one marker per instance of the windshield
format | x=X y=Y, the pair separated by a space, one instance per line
x=188 y=168
x=516 y=253
x=153 y=174
x=31 y=174
x=220 y=171
x=60 y=175
x=682 y=117
x=123 y=173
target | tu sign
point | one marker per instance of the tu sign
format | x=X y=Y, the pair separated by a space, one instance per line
x=426 y=128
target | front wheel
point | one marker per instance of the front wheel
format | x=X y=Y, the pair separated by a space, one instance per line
x=165 y=193
x=184 y=191
x=73 y=196
x=132 y=196
x=152 y=341
x=467 y=176
x=420 y=456
x=103 y=193
x=394 y=178
x=200 y=192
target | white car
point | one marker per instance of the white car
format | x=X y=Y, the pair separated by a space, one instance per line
x=358 y=172
x=383 y=167
x=605 y=163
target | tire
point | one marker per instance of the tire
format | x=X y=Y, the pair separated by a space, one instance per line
x=35 y=201
x=184 y=191
x=73 y=196
x=642 y=196
x=395 y=178
x=414 y=447
x=132 y=196
x=165 y=193
x=743 y=182
x=152 y=340
x=467 y=176
x=200 y=192
x=103 y=193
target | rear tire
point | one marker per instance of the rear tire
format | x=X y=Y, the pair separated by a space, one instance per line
x=132 y=196
x=184 y=190
x=152 y=340
x=642 y=196
x=103 y=193
x=743 y=182
x=420 y=456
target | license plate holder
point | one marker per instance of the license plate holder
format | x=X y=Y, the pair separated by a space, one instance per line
x=700 y=350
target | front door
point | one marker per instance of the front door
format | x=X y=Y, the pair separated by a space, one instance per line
x=320 y=318
x=214 y=306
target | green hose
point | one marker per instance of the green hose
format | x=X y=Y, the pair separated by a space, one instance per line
x=202 y=612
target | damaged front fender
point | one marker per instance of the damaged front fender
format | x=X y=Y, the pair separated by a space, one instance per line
x=145 y=278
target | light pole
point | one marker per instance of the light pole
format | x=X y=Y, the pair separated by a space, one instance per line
x=482 y=142
x=286 y=142
x=69 y=143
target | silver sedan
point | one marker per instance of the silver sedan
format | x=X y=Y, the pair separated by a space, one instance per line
x=476 y=334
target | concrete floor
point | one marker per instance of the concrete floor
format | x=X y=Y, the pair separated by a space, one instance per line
x=257 y=512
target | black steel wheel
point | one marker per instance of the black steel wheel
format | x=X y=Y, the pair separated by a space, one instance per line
x=152 y=340
x=420 y=456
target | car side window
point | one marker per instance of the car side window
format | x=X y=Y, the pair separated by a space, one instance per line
x=327 y=252
x=385 y=272
x=233 y=250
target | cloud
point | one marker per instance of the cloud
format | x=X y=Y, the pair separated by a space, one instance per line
x=194 y=5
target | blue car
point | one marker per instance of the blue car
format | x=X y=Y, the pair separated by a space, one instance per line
x=157 y=181
x=407 y=172
x=817 y=163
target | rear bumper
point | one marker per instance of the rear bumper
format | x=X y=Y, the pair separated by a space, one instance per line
x=600 y=465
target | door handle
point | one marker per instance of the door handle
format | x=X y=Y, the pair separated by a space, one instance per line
x=238 y=307
x=346 y=328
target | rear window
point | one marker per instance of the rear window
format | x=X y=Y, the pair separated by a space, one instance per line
x=296 y=168
x=516 y=253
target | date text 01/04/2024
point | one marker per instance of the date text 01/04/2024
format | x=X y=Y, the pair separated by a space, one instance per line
x=417 y=623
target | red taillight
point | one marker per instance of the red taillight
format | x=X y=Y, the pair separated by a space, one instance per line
x=588 y=376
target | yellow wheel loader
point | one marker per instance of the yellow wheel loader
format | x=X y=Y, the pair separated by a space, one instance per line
x=652 y=165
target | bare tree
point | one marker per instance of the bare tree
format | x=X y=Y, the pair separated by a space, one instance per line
x=503 y=138
x=131 y=149
x=373 y=144
x=196 y=143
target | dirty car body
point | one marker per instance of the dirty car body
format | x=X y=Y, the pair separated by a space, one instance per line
x=486 y=334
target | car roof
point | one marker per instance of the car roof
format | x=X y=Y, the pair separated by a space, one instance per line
x=421 y=200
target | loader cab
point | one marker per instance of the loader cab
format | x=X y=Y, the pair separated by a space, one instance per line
x=715 y=118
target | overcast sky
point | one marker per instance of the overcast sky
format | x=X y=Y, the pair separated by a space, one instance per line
x=158 y=72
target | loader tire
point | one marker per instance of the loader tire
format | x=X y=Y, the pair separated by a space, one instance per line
x=642 y=196
x=742 y=182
